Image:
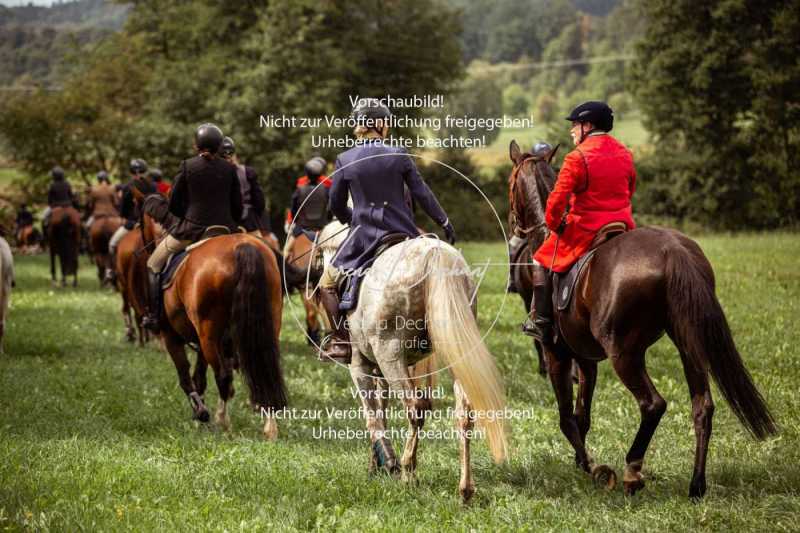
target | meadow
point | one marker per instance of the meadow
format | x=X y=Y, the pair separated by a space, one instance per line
x=96 y=435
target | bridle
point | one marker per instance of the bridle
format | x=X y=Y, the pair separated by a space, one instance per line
x=512 y=181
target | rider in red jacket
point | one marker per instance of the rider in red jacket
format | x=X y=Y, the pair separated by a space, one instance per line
x=594 y=188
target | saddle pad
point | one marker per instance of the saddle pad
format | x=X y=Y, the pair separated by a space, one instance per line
x=176 y=260
x=564 y=284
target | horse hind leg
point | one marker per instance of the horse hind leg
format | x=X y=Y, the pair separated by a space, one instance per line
x=631 y=370
x=382 y=456
x=177 y=351
x=702 y=414
x=223 y=375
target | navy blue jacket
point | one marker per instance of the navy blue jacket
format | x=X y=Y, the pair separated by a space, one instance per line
x=379 y=204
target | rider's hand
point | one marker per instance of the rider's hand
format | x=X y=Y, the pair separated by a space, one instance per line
x=450 y=233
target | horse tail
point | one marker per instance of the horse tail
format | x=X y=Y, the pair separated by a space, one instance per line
x=701 y=332
x=456 y=339
x=253 y=329
x=65 y=243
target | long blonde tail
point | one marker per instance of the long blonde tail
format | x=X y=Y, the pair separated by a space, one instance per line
x=456 y=339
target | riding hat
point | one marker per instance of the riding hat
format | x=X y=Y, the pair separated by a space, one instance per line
x=598 y=113
x=57 y=173
x=228 y=147
x=208 y=137
x=138 y=166
x=368 y=110
x=314 y=168
x=155 y=174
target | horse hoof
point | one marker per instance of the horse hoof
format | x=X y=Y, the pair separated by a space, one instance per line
x=466 y=493
x=604 y=476
x=203 y=416
x=408 y=476
x=632 y=487
x=697 y=490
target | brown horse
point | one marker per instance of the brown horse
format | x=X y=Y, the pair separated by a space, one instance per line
x=301 y=257
x=226 y=299
x=636 y=287
x=132 y=284
x=100 y=233
x=64 y=236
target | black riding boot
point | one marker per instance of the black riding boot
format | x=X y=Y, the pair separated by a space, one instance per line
x=338 y=348
x=111 y=274
x=150 y=321
x=540 y=326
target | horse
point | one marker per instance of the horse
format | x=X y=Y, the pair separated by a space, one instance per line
x=64 y=236
x=226 y=299
x=100 y=232
x=522 y=272
x=28 y=238
x=6 y=282
x=636 y=287
x=418 y=298
x=301 y=256
x=132 y=284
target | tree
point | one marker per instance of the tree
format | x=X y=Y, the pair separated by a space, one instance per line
x=719 y=85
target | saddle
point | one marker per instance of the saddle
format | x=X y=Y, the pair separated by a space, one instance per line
x=175 y=260
x=348 y=287
x=564 y=284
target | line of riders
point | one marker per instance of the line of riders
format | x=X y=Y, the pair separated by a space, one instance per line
x=214 y=189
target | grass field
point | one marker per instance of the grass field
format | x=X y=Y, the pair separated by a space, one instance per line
x=95 y=434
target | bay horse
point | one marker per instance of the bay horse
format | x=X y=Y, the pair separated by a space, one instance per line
x=417 y=299
x=64 y=236
x=131 y=269
x=301 y=257
x=636 y=287
x=100 y=232
x=226 y=299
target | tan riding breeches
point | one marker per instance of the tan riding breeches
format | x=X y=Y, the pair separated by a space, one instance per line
x=168 y=246
x=118 y=235
x=288 y=246
x=330 y=277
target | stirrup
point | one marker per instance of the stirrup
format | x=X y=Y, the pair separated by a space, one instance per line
x=539 y=329
x=328 y=353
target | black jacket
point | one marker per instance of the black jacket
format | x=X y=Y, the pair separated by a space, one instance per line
x=205 y=193
x=60 y=194
x=310 y=208
x=253 y=203
x=128 y=209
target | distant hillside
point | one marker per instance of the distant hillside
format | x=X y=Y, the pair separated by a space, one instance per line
x=35 y=40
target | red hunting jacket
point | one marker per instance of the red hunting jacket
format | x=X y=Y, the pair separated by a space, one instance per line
x=597 y=180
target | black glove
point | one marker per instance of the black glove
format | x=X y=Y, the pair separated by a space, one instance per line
x=450 y=233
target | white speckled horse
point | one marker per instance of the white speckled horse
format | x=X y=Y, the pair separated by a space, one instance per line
x=417 y=299
x=6 y=282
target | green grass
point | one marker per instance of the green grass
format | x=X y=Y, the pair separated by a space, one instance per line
x=95 y=434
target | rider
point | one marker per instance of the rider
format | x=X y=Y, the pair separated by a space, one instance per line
x=594 y=188
x=102 y=199
x=59 y=195
x=253 y=203
x=24 y=220
x=205 y=193
x=158 y=180
x=379 y=208
x=309 y=203
x=128 y=209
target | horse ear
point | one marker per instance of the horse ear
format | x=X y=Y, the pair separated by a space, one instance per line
x=553 y=154
x=514 y=152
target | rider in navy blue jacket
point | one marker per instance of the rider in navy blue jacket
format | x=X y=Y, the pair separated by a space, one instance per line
x=374 y=175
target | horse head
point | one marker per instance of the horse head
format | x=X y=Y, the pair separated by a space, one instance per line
x=151 y=230
x=530 y=183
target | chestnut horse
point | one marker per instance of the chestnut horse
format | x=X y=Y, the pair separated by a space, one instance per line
x=226 y=299
x=301 y=256
x=132 y=284
x=64 y=236
x=100 y=233
x=636 y=287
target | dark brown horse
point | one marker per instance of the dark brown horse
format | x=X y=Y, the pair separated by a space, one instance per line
x=301 y=257
x=636 y=287
x=226 y=299
x=64 y=236
x=521 y=267
x=100 y=234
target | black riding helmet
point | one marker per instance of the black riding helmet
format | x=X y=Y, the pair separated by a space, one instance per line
x=57 y=173
x=541 y=149
x=314 y=167
x=598 y=113
x=138 y=166
x=228 y=147
x=155 y=174
x=102 y=176
x=368 y=110
x=208 y=138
